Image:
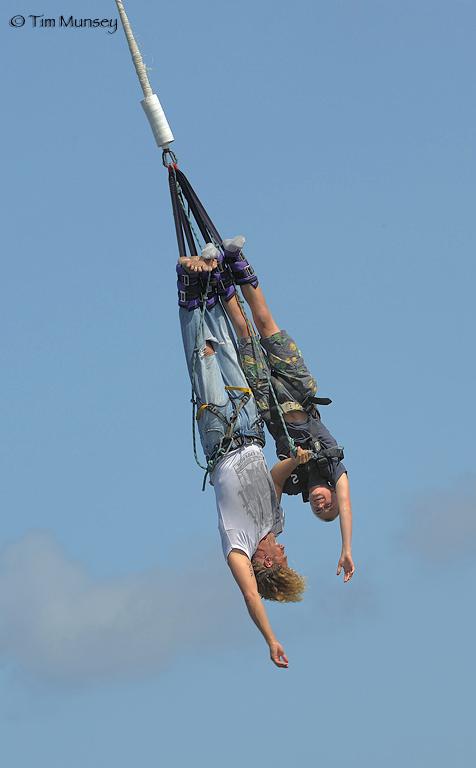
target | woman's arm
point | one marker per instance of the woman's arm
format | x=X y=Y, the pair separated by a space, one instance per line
x=243 y=573
x=345 y=519
x=283 y=469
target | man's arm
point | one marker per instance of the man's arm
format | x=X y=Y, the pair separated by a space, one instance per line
x=242 y=570
x=283 y=469
x=345 y=519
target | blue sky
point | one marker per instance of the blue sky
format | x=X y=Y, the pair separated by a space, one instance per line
x=339 y=138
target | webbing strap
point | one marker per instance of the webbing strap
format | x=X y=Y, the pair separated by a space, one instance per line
x=207 y=237
x=197 y=207
x=200 y=411
x=194 y=358
x=226 y=441
x=213 y=409
x=335 y=452
x=176 y=213
x=188 y=231
x=193 y=209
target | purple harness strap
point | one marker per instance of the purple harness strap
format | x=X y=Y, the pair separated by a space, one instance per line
x=223 y=281
x=192 y=290
x=242 y=270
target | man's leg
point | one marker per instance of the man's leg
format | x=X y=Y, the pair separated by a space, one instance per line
x=206 y=262
x=248 y=422
x=213 y=365
x=206 y=378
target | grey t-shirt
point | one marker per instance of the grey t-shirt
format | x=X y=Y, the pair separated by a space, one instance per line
x=247 y=505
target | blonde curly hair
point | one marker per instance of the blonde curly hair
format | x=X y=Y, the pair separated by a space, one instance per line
x=279 y=583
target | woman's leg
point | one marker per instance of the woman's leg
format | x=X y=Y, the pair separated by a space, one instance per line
x=294 y=384
x=245 y=276
x=252 y=359
x=262 y=317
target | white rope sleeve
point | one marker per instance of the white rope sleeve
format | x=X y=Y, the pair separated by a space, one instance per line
x=151 y=104
x=158 y=121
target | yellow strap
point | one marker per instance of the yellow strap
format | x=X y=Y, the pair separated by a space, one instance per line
x=246 y=390
x=200 y=410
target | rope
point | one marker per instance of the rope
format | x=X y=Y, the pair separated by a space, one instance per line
x=135 y=53
x=194 y=402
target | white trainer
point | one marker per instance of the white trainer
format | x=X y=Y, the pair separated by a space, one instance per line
x=210 y=252
x=235 y=244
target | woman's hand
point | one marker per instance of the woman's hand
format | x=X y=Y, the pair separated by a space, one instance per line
x=346 y=563
x=302 y=456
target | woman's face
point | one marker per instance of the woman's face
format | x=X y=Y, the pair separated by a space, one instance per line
x=323 y=501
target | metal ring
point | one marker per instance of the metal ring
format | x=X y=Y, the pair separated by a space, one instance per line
x=172 y=155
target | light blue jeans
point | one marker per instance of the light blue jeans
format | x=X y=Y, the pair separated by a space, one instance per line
x=212 y=373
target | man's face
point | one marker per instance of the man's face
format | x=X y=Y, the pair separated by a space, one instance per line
x=279 y=555
x=271 y=553
x=323 y=502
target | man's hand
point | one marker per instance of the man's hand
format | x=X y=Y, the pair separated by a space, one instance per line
x=276 y=651
x=346 y=563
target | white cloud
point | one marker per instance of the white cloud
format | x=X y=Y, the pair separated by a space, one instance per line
x=58 y=623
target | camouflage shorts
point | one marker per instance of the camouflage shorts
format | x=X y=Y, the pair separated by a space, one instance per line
x=279 y=358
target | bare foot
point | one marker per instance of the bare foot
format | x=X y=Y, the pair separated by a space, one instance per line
x=197 y=264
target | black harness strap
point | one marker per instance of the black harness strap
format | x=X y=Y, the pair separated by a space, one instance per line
x=228 y=438
x=230 y=423
x=176 y=212
x=321 y=454
x=213 y=409
x=197 y=208
x=188 y=231
x=196 y=214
